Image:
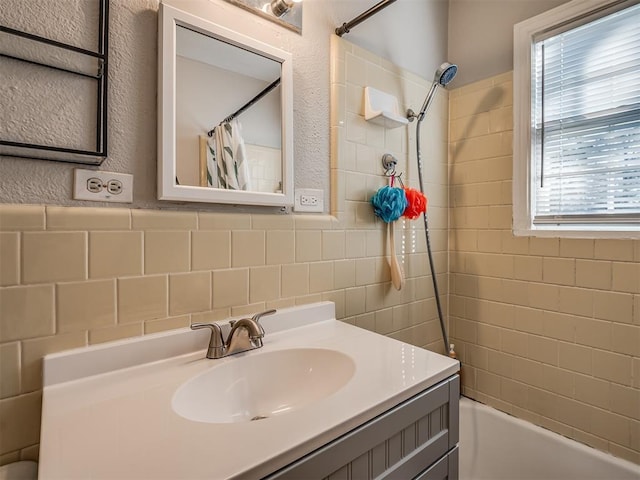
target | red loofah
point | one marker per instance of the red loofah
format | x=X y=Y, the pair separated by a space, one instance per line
x=417 y=203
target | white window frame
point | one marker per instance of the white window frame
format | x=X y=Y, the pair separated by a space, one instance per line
x=523 y=53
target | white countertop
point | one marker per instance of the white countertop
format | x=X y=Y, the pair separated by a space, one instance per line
x=107 y=416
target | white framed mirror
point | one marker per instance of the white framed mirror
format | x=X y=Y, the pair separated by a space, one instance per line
x=225 y=131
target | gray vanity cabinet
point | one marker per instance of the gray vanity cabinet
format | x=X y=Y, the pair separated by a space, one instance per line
x=417 y=439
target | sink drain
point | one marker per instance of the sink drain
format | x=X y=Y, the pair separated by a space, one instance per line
x=258 y=417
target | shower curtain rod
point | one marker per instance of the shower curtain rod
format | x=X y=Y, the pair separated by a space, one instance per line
x=248 y=104
x=346 y=27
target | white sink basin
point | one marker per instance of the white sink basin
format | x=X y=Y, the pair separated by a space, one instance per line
x=257 y=386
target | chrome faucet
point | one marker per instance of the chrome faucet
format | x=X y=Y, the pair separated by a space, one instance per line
x=246 y=334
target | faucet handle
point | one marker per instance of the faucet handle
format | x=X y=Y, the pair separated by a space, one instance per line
x=216 y=343
x=257 y=316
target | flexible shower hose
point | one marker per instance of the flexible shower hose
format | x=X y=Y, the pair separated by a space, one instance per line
x=443 y=328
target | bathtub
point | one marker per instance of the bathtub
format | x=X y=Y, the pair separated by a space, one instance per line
x=494 y=445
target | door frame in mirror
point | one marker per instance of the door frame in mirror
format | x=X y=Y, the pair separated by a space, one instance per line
x=169 y=18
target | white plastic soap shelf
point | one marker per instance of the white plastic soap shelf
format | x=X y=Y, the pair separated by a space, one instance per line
x=382 y=109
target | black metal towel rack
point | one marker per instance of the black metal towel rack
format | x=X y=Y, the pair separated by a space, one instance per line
x=53 y=152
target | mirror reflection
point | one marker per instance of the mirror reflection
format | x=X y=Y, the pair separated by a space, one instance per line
x=224 y=115
x=228 y=115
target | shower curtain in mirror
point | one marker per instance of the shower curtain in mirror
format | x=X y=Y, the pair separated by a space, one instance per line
x=227 y=164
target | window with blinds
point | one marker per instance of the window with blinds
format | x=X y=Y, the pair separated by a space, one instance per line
x=585 y=120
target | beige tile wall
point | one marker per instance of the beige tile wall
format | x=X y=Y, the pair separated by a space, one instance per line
x=71 y=277
x=357 y=147
x=548 y=329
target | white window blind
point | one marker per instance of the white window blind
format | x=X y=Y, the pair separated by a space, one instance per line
x=586 y=121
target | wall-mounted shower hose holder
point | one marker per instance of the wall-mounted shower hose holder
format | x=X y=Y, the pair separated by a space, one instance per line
x=389 y=163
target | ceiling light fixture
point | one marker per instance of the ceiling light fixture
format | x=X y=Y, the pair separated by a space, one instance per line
x=280 y=7
x=287 y=13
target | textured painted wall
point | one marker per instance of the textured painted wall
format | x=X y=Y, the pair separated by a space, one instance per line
x=132 y=76
x=132 y=94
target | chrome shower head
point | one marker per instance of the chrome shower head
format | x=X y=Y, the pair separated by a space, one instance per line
x=443 y=76
x=445 y=73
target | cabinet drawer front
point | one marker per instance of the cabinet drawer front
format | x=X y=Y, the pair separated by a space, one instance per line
x=444 y=469
x=396 y=444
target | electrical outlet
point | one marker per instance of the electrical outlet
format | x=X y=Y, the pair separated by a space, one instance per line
x=102 y=186
x=308 y=200
x=94 y=185
x=114 y=187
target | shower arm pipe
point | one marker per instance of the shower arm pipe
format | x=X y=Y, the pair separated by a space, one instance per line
x=436 y=293
x=346 y=27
